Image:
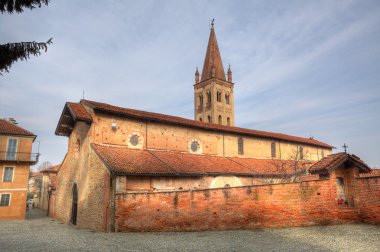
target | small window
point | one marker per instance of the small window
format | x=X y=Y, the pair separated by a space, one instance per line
x=8 y=174
x=11 y=149
x=194 y=146
x=323 y=154
x=200 y=100
x=200 y=119
x=209 y=97
x=219 y=96
x=209 y=119
x=273 y=149
x=5 y=199
x=77 y=145
x=240 y=146
x=134 y=140
x=228 y=121
x=227 y=99
x=301 y=152
x=220 y=119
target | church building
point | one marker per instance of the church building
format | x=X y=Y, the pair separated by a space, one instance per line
x=119 y=159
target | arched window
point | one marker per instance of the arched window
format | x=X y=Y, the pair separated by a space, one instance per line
x=220 y=119
x=77 y=145
x=301 y=152
x=240 y=146
x=200 y=100
x=219 y=96
x=200 y=119
x=228 y=121
x=209 y=97
x=227 y=98
x=273 y=149
x=209 y=118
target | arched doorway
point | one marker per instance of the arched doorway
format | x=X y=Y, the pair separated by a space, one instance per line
x=74 y=206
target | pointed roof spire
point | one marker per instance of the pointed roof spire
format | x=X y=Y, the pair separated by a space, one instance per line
x=213 y=66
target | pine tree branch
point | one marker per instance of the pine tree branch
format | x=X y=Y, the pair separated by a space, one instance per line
x=19 y=5
x=12 y=52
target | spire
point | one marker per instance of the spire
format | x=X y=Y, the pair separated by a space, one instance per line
x=213 y=66
x=196 y=76
x=229 y=73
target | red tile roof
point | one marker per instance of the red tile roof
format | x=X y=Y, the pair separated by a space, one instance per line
x=373 y=173
x=154 y=162
x=8 y=128
x=78 y=112
x=149 y=116
x=333 y=161
x=53 y=168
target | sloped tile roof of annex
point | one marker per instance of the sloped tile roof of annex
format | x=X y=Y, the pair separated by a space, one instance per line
x=122 y=160
x=333 y=161
x=53 y=168
x=8 y=128
x=150 y=116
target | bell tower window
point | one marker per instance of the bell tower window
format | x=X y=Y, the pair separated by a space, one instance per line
x=219 y=96
x=228 y=121
x=227 y=99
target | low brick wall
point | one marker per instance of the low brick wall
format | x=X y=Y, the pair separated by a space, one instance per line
x=368 y=195
x=279 y=205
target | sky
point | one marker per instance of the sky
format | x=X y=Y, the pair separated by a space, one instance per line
x=304 y=68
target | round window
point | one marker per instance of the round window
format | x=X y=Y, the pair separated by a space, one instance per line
x=134 y=140
x=194 y=146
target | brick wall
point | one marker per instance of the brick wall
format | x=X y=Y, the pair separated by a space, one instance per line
x=368 y=200
x=279 y=205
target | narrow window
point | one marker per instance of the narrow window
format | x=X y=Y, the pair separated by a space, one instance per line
x=77 y=145
x=220 y=119
x=209 y=97
x=8 y=174
x=240 y=146
x=301 y=152
x=273 y=149
x=11 y=150
x=341 y=190
x=228 y=121
x=201 y=100
x=219 y=96
x=5 y=199
x=209 y=118
x=323 y=154
x=227 y=99
x=200 y=119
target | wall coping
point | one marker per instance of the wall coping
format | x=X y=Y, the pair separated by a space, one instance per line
x=218 y=189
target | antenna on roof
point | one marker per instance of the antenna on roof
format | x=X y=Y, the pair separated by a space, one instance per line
x=83 y=94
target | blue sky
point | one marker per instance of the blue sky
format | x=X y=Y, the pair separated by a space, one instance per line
x=305 y=68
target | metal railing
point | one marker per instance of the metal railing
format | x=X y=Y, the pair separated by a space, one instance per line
x=31 y=158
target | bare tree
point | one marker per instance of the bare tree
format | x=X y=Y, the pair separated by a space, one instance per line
x=294 y=166
x=12 y=52
x=44 y=165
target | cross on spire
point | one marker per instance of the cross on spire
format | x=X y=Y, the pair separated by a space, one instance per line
x=345 y=147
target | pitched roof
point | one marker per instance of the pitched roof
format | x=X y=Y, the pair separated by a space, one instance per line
x=149 y=116
x=213 y=59
x=123 y=160
x=8 y=128
x=52 y=169
x=373 y=173
x=333 y=161
x=72 y=112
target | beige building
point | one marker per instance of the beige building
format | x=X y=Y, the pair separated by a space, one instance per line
x=15 y=159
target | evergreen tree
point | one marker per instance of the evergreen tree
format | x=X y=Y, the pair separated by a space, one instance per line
x=12 y=52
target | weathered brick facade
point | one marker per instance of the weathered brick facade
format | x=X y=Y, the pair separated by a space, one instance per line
x=276 y=205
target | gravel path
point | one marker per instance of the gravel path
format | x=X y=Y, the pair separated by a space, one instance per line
x=40 y=233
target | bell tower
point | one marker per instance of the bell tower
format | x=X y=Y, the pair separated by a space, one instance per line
x=213 y=93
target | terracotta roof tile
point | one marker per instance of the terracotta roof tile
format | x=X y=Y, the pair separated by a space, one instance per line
x=103 y=107
x=8 y=128
x=334 y=160
x=154 y=162
x=79 y=112
x=53 y=168
x=123 y=160
x=372 y=173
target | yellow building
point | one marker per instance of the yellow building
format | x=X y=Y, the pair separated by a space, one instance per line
x=15 y=160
